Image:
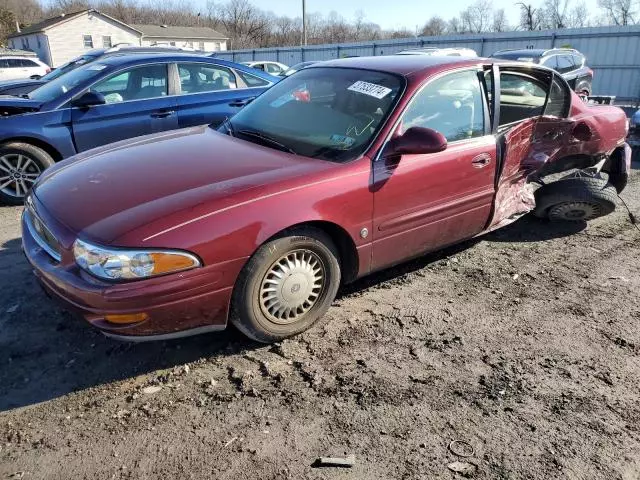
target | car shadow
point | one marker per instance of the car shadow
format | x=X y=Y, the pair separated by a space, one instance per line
x=47 y=353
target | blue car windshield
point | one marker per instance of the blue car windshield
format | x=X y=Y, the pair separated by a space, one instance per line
x=67 y=67
x=325 y=113
x=61 y=85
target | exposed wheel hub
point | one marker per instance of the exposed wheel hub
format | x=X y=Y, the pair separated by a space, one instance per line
x=18 y=173
x=574 y=211
x=291 y=286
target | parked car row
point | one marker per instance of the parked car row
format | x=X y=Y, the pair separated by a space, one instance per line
x=117 y=97
x=245 y=220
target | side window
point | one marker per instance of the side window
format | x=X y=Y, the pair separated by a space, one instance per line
x=273 y=69
x=14 y=63
x=140 y=83
x=551 y=62
x=205 y=77
x=578 y=60
x=559 y=98
x=451 y=105
x=4 y=63
x=565 y=64
x=28 y=63
x=521 y=97
x=251 y=80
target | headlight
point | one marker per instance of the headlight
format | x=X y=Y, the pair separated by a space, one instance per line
x=126 y=264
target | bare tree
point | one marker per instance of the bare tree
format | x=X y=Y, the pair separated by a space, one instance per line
x=500 y=22
x=529 y=16
x=476 y=18
x=435 y=26
x=554 y=13
x=620 y=12
x=578 y=16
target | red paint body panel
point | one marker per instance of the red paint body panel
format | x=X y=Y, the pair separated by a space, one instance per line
x=221 y=198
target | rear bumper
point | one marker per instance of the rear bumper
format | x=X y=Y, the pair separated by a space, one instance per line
x=176 y=305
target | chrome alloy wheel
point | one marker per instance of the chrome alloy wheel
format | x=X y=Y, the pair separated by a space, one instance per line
x=292 y=286
x=18 y=173
x=574 y=211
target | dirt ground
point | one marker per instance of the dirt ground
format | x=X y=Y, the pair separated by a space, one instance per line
x=523 y=343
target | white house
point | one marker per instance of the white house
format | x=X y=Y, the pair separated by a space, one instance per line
x=60 y=39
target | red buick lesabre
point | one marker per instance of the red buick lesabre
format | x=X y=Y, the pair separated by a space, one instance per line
x=344 y=168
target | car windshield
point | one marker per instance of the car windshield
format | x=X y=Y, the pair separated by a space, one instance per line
x=325 y=113
x=61 y=85
x=67 y=67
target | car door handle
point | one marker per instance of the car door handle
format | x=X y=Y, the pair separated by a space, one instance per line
x=162 y=114
x=481 y=160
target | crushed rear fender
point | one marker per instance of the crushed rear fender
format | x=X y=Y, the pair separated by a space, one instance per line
x=545 y=145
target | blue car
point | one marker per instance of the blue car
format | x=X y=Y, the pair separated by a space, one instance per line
x=112 y=99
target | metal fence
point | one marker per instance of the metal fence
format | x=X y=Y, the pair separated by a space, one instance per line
x=612 y=52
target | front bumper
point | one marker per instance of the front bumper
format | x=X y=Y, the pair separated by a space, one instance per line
x=177 y=305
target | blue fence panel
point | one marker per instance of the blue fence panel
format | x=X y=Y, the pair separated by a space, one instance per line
x=612 y=52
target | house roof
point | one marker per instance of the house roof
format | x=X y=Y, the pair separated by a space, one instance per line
x=65 y=17
x=165 y=31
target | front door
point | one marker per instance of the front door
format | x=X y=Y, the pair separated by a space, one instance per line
x=423 y=202
x=138 y=103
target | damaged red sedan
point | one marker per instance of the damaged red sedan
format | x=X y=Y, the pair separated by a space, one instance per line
x=342 y=169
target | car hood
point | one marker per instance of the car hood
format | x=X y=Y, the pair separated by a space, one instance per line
x=106 y=193
x=11 y=105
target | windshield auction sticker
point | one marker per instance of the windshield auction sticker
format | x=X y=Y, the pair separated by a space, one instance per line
x=371 y=89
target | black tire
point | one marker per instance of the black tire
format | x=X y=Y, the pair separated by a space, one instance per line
x=40 y=159
x=575 y=199
x=249 y=305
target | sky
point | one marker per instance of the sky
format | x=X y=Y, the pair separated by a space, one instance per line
x=389 y=14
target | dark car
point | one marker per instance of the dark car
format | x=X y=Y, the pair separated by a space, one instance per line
x=345 y=168
x=26 y=85
x=570 y=63
x=115 y=98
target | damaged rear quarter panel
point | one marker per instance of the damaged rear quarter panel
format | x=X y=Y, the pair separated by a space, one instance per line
x=544 y=145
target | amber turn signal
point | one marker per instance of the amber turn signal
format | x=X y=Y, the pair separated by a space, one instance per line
x=126 y=318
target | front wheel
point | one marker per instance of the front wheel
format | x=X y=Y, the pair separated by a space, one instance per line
x=20 y=165
x=287 y=285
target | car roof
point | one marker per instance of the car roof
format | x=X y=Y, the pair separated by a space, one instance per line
x=535 y=52
x=126 y=58
x=403 y=64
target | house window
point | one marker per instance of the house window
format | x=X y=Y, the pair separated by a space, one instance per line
x=173 y=44
x=216 y=46
x=87 y=40
x=106 y=41
x=13 y=45
x=201 y=46
x=190 y=44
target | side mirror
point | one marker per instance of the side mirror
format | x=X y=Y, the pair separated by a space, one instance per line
x=416 y=140
x=89 y=99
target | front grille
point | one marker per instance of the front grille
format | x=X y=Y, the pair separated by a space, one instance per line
x=41 y=234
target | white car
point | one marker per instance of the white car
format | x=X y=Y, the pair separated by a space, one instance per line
x=441 y=52
x=16 y=68
x=274 y=68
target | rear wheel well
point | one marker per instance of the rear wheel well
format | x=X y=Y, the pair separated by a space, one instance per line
x=36 y=143
x=349 y=262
